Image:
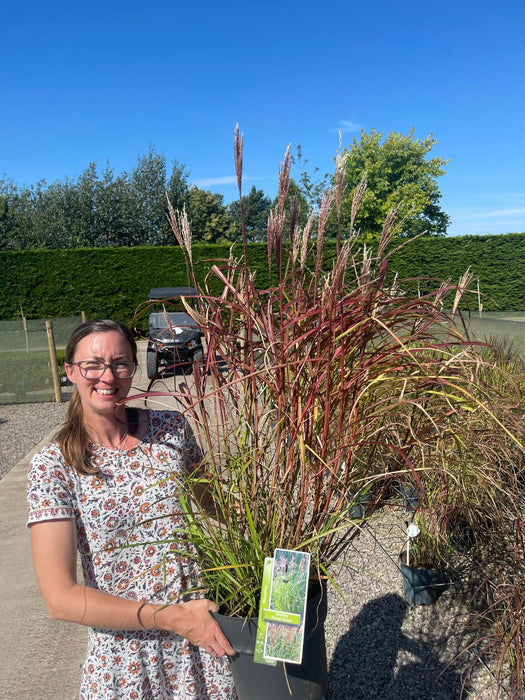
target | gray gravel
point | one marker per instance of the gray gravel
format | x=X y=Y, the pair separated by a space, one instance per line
x=23 y=426
x=379 y=648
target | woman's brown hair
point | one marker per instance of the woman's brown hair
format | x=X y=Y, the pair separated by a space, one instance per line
x=73 y=438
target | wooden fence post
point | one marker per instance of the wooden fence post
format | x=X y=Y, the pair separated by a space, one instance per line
x=480 y=305
x=53 y=358
x=24 y=323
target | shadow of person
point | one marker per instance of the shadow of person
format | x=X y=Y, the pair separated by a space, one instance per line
x=375 y=660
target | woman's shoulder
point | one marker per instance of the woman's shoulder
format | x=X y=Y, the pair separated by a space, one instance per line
x=48 y=463
x=165 y=417
x=50 y=452
x=166 y=425
x=50 y=486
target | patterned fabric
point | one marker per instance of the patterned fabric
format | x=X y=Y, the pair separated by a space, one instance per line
x=128 y=523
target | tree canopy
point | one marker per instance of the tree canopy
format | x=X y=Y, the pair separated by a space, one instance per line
x=398 y=174
x=208 y=217
x=101 y=209
x=256 y=207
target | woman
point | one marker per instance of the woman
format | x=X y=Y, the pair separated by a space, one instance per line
x=107 y=485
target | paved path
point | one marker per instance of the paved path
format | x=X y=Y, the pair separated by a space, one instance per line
x=41 y=658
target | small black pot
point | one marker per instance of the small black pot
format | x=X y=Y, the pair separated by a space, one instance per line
x=306 y=681
x=422 y=586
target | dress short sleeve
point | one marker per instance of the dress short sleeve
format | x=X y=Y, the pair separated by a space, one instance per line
x=49 y=487
x=172 y=429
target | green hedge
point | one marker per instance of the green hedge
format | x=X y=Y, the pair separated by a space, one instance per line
x=103 y=282
x=497 y=261
x=113 y=282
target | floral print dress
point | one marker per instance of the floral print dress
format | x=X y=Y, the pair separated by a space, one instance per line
x=129 y=536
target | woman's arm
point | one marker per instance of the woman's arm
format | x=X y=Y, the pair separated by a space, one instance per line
x=55 y=562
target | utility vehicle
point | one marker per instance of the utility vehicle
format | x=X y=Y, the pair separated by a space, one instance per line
x=175 y=339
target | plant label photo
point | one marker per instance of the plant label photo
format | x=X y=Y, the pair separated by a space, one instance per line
x=285 y=614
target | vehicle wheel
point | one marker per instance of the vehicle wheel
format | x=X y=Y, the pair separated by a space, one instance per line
x=198 y=357
x=152 y=365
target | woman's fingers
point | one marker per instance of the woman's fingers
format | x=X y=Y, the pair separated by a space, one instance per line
x=195 y=622
x=221 y=645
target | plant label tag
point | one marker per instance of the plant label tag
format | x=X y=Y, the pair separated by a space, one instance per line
x=258 y=655
x=285 y=614
x=285 y=618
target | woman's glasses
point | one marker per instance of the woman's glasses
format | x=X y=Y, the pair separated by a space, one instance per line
x=92 y=369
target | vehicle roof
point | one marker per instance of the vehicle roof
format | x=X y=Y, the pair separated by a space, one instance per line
x=158 y=321
x=169 y=292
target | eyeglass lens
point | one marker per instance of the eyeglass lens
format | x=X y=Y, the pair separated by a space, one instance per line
x=94 y=370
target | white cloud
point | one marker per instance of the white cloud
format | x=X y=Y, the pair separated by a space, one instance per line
x=346 y=127
x=468 y=214
x=499 y=213
x=211 y=181
x=475 y=220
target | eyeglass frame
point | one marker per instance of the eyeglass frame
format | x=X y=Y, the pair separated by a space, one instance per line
x=106 y=366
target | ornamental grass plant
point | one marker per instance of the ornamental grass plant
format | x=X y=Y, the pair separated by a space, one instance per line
x=473 y=477
x=496 y=544
x=501 y=621
x=318 y=391
x=470 y=513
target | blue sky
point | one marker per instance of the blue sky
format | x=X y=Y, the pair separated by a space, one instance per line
x=104 y=81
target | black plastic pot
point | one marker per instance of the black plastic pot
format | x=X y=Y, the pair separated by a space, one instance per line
x=422 y=586
x=307 y=681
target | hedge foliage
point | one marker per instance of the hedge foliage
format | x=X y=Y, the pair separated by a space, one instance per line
x=103 y=282
x=497 y=261
x=113 y=282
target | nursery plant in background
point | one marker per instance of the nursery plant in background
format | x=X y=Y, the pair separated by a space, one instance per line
x=317 y=392
x=469 y=489
x=422 y=585
x=500 y=621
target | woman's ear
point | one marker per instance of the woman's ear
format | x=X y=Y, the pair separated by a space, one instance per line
x=69 y=372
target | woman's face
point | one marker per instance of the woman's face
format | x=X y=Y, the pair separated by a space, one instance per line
x=101 y=395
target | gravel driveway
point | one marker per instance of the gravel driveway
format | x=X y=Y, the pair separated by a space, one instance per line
x=23 y=426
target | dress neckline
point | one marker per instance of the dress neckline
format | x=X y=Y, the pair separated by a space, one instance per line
x=95 y=446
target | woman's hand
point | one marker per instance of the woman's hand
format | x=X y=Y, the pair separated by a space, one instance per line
x=194 y=622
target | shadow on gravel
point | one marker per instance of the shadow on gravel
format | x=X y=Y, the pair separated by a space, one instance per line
x=366 y=662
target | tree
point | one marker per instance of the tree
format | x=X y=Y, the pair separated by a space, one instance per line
x=256 y=207
x=398 y=174
x=177 y=191
x=4 y=210
x=17 y=219
x=115 y=211
x=311 y=185
x=209 y=219
x=82 y=209
x=51 y=224
x=148 y=184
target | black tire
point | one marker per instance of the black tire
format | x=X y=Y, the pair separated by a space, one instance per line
x=152 y=365
x=198 y=358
